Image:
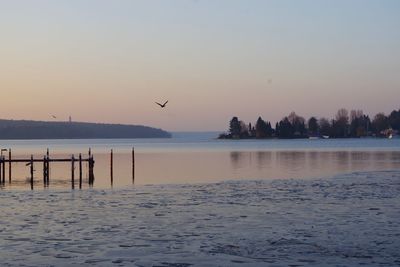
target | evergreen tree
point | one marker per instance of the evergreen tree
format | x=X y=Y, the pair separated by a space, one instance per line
x=244 y=130
x=286 y=129
x=235 y=128
x=325 y=128
x=261 y=128
x=394 y=120
x=313 y=127
x=277 y=130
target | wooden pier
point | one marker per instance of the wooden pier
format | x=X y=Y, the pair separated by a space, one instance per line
x=46 y=160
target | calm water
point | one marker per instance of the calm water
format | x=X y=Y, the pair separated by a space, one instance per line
x=199 y=158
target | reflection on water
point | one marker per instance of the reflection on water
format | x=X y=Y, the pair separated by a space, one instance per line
x=307 y=164
x=210 y=166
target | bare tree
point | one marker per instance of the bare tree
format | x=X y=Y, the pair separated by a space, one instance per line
x=356 y=114
x=342 y=116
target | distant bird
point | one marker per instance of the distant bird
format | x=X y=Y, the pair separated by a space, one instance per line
x=162 y=105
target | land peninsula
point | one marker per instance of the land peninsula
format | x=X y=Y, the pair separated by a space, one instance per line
x=345 y=125
x=28 y=129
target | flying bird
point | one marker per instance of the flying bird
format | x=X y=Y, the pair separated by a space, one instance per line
x=162 y=105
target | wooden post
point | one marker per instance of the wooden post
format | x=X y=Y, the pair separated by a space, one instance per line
x=44 y=171
x=111 y=167
x=91 y=173
x=4 y=169
x=89 y=156
x=9 y=165
x=90 y=170
x=31 y=171
x=47 y=170
x=1 y=164
x=133 y=165
x=73 y=171
x=80 y=171
x=48 y=167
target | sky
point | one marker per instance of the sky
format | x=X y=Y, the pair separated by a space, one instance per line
x=109 y=61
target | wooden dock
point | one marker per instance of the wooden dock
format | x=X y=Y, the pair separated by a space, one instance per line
x=46 y=160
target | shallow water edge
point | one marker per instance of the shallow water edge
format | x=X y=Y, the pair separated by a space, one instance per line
x=348 y=220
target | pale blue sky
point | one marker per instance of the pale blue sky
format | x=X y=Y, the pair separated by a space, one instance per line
x=108 y=61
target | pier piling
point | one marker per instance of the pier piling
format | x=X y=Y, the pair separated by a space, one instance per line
x=111 y=167
x=4 y=169
x=44 y=171
x=73 y=172
x=91 y=173
x=133 y=165
x=9 y=165
x=45 y=160
x=31 y=165
x=80 y=171
x=1 y=176
x=48 y=167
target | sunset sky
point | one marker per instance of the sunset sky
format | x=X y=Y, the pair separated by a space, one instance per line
x=109 y=61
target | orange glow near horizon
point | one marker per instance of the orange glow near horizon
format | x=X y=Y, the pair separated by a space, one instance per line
x=111 y=62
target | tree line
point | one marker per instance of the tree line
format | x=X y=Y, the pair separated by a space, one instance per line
x=24 y=129
x=345 y=124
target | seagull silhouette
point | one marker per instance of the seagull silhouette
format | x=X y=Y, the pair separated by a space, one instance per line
x=162 y=105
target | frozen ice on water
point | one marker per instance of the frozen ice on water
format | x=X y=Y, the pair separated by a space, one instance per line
x=346 y=220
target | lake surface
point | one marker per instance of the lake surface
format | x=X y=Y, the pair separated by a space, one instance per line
x=280 y=203
x=348 y=220
x=200 y=158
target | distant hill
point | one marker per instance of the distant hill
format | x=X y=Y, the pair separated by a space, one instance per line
x=25 y=129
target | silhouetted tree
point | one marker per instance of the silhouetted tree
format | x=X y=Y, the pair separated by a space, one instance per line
x=252 y=130
x=244 y=130
x=298 y=124
x=235 y=128
x=263 y=129
x=277 y=132
x=325 y=127
x=313 y=127
x=394 y=120
x=340 y=126
x=380 y=123
x=359 y=123
x=285 y=129
x=343 y=125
